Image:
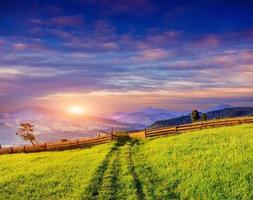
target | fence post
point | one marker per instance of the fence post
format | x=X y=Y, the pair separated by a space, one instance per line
x=176 y=129
x=77 y=141
x=11 y=149
x=112 y=135
x=45 y=146
x=24 y=148
x=145 y=133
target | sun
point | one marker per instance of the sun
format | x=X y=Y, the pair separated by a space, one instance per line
x=76 y=110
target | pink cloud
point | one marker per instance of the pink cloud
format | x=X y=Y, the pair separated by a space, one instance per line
x=151 y=55
x=208 y=41
x=162 y=38
x=246 y=55
x=19 y=46
x=2 y=42
x=110 y=45
x=60 y=20
x=66 y=20
x=130 y=5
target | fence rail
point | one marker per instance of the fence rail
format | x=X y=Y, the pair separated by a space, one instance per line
x=148 y=133
x=72 y=144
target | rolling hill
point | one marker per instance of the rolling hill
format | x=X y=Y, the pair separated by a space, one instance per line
x=217 y=114
x=207 y=164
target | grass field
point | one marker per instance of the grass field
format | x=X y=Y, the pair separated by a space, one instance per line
x=49 y=175
x=208 y=164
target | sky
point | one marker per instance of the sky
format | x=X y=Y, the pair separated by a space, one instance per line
x=125 y=55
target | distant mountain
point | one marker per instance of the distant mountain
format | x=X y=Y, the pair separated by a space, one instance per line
x=56 y=124
x=218 y=114
x=219 y=107
x=145 y=116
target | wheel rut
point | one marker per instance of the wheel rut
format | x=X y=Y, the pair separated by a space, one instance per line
x=116 y=177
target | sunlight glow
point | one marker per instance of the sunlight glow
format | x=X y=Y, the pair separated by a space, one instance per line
x=77 y=110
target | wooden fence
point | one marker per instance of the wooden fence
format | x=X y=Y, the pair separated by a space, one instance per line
x=142 y=134
x=71 y=144
x=148 y=133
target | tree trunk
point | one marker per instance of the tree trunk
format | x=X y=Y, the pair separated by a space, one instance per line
x=32 y=142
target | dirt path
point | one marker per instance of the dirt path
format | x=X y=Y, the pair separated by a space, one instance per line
x=116 y=177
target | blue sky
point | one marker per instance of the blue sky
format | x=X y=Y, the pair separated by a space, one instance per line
x=124 y=55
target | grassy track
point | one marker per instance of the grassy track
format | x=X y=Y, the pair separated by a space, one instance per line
x=208 y=164
x=114 y=178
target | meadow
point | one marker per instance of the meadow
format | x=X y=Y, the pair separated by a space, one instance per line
x=49 y=175
x=208 y=164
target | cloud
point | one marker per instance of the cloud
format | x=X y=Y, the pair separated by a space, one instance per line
x=24 y=71
x=111 y=7
x=161 y=53
x=36 y=21
x=132 y=5
x=19 y=46
x=246 y=55
x=62 y=20
x=151 y=55
x=8 y=71
x=2 y=42
x=81 y=55
x=207 y=41
x=66 y=20
x=110 y=45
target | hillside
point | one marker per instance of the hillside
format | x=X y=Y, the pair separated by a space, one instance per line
x=217 y=114
x=208 y=164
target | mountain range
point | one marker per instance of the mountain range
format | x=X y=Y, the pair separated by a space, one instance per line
x=53 y=125
x=217 y=114
x=145 y=116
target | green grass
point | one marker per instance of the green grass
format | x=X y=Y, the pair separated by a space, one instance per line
x=208 y=164
x=49 y=175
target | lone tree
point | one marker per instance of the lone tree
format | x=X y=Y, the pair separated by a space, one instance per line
x=203 y=117
x=195 y=115
x=26 y=131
